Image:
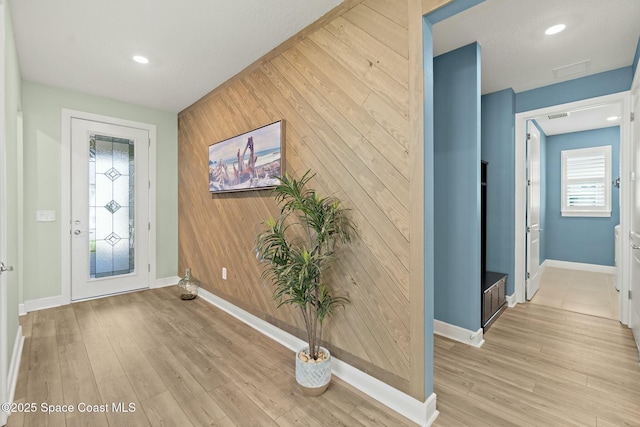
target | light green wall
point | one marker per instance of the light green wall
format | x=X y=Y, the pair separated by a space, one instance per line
x=12 y=85
x=42 y=106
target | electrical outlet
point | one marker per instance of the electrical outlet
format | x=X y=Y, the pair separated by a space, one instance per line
x=224 y=273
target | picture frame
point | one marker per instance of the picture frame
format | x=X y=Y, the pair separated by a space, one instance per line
x=250 y=161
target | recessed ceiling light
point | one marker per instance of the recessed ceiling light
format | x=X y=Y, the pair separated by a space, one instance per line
x=613 y=118
x=140 y=59
x=555 y=29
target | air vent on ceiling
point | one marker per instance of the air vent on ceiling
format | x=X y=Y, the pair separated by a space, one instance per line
x=557 y=116
x=574 y=69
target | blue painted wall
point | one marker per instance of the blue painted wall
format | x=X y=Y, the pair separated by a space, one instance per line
x=543 y=192
x=636 y=58
x=429 y=177
x=498 y=134
x=457 y=186
x=429 y=239
x=601 y=84
x=580 y=239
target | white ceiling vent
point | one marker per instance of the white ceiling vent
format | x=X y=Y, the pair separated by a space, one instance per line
x=581 y=67
x=558 y=115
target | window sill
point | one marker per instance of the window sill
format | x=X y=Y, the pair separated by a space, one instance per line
x=594 y=214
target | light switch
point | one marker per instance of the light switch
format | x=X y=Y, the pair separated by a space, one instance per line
x=45 y=216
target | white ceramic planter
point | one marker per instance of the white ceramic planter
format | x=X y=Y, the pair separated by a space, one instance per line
x=313 y=378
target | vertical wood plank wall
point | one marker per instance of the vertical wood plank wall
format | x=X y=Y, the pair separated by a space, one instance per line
x=355 y=118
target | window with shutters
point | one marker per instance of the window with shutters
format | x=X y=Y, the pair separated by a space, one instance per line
x=586 y=182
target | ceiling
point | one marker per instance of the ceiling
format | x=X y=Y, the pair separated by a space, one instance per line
x=516 y=53
x=194 y=46
x=600 y=36
x=593 y=117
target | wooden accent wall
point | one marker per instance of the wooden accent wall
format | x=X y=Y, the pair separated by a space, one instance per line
x=350 y=91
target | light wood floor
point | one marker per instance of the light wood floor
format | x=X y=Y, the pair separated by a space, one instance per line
x=181 y=363
x=187 y=363
x=579 y=291
x=540 y=366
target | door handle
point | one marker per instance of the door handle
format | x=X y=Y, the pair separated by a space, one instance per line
x=77 y=232
x=3 y=268
x=635 y=246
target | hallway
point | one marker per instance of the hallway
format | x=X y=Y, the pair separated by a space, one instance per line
x=540 y=366
x=579 y=291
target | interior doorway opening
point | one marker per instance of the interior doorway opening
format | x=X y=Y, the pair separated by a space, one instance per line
x=583 y=114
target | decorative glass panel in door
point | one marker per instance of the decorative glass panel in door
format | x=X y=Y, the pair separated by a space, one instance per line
x=109 y=209
x=111 y=202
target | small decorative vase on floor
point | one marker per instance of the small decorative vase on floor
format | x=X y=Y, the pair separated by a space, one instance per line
x=313 y=376
x=188 y=286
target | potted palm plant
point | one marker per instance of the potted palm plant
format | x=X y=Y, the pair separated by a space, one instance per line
x=297 y=248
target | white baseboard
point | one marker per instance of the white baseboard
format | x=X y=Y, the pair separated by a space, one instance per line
x=511 y=300
x=456 y=333
x=14 y=365
x=41 y=304
x=165 y=281
x=594 y=268
x=57 y=301
x=422 y=413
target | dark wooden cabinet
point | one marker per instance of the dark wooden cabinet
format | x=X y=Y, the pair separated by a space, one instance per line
x=493 y=297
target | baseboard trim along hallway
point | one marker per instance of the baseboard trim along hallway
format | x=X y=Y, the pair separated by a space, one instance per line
x=456 y=333
x=422 y=413
x=57 y=301
x=14 y=364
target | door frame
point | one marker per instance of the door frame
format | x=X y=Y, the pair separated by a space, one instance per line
x=625 y=191
x=65 y=192
x=634 y=320
x=530 y=126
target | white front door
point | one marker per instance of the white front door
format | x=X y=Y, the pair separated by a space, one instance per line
x=533 y=210
x=634 y=309
x=109 y=209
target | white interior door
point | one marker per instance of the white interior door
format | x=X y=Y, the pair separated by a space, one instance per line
x=4 y=357
x=533 y=210
x=634 y=235
x=109 y=209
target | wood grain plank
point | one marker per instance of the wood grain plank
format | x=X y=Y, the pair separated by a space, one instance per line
x=351 y=85
x=118 y=390
x=377 y=53
x=396 y=11
x=78 y=382
x=163 y=410
x=395 y=238
x=419 y=299
x=44 y=384
x=330 y=89
x=528 y=385
x=429 y=6
x=379 y=81
x=141 y=375
x=379 y=26
x=189 y=395
x=239 y=408
x=384 y=182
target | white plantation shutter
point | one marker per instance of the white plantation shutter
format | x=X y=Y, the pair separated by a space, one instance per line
x=586 y=177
